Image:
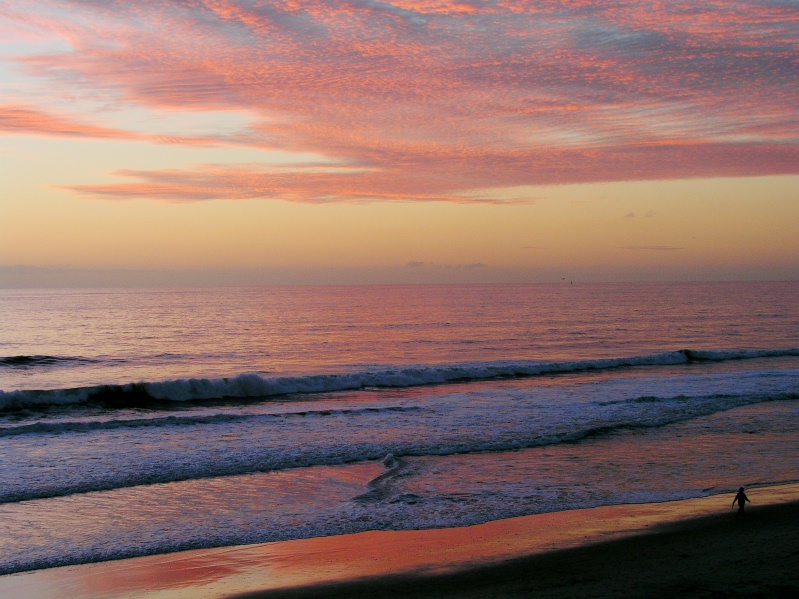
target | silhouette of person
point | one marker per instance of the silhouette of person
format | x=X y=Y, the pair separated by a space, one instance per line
x=741 y=499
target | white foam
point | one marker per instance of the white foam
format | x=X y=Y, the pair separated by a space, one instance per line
x=254 y=385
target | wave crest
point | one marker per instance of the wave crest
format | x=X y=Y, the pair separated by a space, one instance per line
x=257 y=386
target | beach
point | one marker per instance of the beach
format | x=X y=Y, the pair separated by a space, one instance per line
x=703 y=557
x=689 y=548
x=359 y=433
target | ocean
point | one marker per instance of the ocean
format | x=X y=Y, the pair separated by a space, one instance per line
x=139 y=422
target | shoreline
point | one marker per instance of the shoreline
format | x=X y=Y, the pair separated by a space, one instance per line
x=705 y=557
x=571 y=553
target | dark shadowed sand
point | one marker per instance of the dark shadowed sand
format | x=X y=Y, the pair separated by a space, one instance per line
x=703 y=557
x=692 y=548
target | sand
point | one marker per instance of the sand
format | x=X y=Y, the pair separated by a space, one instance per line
x=704 y=557
x=691 y=548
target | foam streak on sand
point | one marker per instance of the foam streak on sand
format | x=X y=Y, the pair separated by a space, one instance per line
x=471 y=561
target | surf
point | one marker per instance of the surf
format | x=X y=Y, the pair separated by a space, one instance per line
x=253 y=385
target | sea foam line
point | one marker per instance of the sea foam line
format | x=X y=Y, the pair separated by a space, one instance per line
x=254 y=385
x=82 y=426
x=265 y=458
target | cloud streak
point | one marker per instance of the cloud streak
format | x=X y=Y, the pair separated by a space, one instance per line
x=433 y=265
x=651 y=248
x=26 y=120
x=434 y=99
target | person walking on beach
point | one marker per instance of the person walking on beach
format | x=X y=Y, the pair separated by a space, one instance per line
x=741 y=499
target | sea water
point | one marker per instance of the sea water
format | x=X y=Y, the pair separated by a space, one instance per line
x=136 y=422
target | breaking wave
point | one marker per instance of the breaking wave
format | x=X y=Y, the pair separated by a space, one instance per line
x=258 y=386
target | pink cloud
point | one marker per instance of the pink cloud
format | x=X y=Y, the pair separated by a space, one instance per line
x=309 y=185
x=17 y=119
x=438 y=181
x=434 y=99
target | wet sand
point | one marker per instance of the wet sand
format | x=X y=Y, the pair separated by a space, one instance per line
x=692 y=548
x=705 y=557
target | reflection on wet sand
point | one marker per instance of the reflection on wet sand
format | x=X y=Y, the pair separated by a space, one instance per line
x=211 y=573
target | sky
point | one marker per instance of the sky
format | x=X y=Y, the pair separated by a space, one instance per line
x=249 y=142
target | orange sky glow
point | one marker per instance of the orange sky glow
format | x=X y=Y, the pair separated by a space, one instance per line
x=215 y=142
